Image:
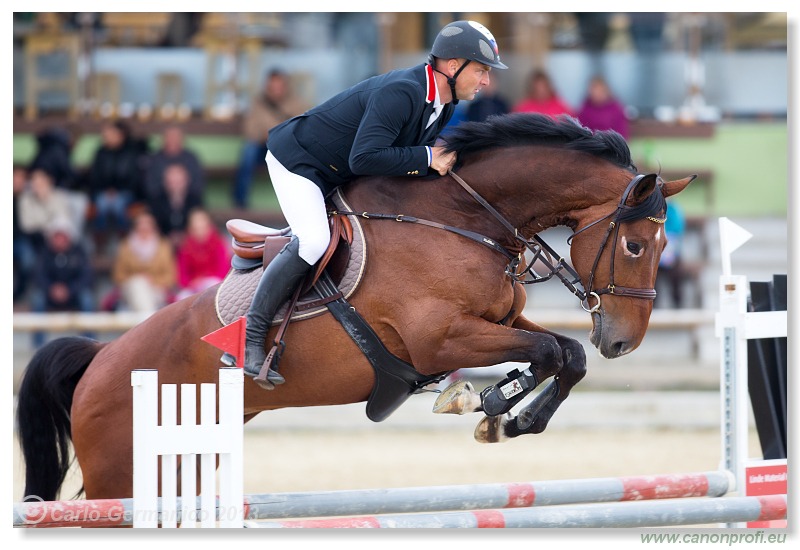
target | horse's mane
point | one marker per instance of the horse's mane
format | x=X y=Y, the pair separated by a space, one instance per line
x=518 y=129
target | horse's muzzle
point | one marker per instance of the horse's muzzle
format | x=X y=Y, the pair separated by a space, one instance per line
x=603 y=337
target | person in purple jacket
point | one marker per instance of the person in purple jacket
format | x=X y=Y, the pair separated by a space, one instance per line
x=386 y=125
x=601 y=110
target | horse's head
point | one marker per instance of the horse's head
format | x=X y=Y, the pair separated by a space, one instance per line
x=617 y=257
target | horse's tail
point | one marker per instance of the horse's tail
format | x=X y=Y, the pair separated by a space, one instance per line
x=44 y=402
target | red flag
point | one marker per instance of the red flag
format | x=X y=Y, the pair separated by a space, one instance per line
x=230 y=339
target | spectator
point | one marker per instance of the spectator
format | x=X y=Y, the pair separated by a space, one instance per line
x=24 y=256
x=115 y=177
x=203 y=258
x=172 y=205
x=487 y=103
x=174 y=151
x=670 y=269
x=144 y=268
x=542 y=97
x=63 y=273
x=601 y=110
x=41 y=203
x=53 y=155
x=273 y=106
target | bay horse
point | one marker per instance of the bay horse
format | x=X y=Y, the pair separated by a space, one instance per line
x=436 y=300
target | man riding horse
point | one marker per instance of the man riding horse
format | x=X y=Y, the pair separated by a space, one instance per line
x=385 y=125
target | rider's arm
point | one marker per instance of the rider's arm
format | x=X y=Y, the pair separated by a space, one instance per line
x=388 y=111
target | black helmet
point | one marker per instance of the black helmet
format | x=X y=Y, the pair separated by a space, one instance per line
x=468 y=40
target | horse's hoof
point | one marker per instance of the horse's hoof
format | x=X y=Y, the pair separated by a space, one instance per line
x=490 y=429
x=458 y=398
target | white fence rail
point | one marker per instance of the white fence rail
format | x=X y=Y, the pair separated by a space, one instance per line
x=170 y=440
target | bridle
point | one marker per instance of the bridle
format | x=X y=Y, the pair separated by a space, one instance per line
x=650 y=208
x=653 y=205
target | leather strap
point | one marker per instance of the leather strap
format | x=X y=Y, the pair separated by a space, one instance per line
x=278 y=344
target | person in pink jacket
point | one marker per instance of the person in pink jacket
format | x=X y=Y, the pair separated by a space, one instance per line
x=542 y=97
x=602 y=111
x=203 y=256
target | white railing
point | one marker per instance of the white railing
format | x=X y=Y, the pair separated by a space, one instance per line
x=168 y=440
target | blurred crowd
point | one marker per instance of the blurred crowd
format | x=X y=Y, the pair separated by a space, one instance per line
x=132 y=230
x=142 y=211
x=137 y=217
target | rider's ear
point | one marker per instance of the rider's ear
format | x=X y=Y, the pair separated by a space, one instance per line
x=643 y=189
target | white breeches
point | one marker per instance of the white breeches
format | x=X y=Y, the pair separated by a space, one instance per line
x=303 y=206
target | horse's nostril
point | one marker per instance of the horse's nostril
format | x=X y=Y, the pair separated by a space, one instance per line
x=619 y=348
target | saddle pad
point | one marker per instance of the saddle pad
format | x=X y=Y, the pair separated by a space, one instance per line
x=236 y=291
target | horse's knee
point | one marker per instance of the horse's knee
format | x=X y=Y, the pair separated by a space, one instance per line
x=574 y=368
x=548 y=357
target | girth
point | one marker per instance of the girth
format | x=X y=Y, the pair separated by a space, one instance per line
x=395 y=380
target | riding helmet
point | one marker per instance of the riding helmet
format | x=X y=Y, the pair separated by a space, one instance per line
x=468 y=40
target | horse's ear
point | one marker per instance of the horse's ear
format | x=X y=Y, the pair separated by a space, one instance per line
x=643 y=189
x=670 y=188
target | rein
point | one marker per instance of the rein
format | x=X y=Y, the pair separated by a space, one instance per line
x=653 y=204
x=544 y=253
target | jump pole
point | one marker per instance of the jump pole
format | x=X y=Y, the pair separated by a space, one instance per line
x=400 y=500
x=622 y=514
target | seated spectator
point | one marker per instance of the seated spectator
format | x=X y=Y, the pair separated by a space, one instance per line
x=487 y=103
x=268 y=109
x=542 y=97
x=62 y=277
x=203 y=257
x=115 y=177
x=144 y=268
x=23 y=253
x=40 y=204
x=174 y=151
x=601 y=110
x=172 y=205
x=53 y=155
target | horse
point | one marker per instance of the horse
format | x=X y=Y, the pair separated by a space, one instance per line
x=436 y=300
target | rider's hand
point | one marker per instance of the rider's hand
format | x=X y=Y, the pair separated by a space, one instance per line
x=441 y=161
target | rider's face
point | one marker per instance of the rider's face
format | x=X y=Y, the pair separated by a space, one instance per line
x=472 y=79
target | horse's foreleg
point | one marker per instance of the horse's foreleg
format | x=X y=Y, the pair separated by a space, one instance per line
x=534 y=417
x=474 y=342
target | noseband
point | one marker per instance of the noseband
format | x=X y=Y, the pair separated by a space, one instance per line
x=651 y=207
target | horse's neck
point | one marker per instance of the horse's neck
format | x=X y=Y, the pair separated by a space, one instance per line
x=538 y=189
x=532 y=188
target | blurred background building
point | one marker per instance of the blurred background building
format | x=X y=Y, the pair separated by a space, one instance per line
x=213 y=62
x=702 y=93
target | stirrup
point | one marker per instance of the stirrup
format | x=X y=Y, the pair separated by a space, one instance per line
x=268 y=378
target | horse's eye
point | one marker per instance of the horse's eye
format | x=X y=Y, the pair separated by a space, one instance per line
x=634 y=248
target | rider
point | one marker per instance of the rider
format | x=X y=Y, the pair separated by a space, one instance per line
x=385 y=125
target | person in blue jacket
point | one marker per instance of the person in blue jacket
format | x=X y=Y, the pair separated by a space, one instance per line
x=386 y=125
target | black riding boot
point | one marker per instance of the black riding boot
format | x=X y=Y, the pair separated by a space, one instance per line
x=278 y=282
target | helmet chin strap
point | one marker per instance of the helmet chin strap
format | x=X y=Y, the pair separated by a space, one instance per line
x=451 y=80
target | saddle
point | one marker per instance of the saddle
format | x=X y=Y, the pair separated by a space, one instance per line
x=254 y=245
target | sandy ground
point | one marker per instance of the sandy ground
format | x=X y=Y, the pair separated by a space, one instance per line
x=370 y=456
